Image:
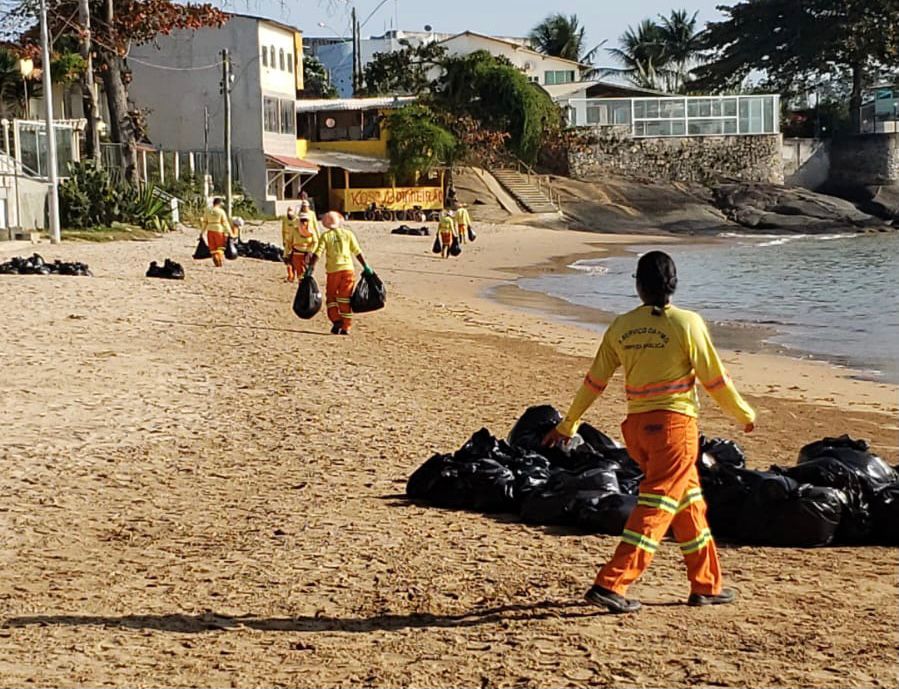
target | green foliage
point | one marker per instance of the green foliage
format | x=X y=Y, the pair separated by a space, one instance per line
x=316 y=83
x=563 y=37
x=501 y=98
x=417 y=142
x=797 y=44
x=403 y=72
x=659 y=55
x=95 y=197
x=67 y=67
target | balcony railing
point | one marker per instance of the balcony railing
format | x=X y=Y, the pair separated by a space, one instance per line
x=679 y=115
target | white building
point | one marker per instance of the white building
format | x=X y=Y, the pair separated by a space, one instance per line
x=179 y=80
x=545 y=70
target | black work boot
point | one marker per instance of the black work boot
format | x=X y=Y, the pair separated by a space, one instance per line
x=726 y=596
x=614 y=602
x=335 y=329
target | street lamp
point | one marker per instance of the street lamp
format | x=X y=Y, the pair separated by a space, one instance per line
x=26 y=69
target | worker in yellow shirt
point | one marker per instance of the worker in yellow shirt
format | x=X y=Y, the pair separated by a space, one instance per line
x=288 y=223
x=338 y=245
x=663 y=350
x=217 y=227
x=305 y=207
x=447 y=230
x=463 y=222
x=300 y=243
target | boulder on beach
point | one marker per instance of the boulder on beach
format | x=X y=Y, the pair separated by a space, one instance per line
x=789 y=209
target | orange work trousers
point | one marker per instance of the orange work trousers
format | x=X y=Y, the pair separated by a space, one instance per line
x=297 y=266
x=463 y=236
x=665 y=445
x=337 y=296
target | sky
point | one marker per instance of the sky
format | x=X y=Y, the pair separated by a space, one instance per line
x=603 y=19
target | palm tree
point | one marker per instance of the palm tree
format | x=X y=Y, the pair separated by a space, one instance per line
x=644 y=56
x=564 y=37
x=681 y=40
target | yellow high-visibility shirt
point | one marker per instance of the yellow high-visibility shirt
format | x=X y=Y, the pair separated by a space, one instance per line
x=463 y=218
x=447 y=225
x=287 y=225
x=297 y=241
x=215 y=219
x=338 y=245
x=662 y=357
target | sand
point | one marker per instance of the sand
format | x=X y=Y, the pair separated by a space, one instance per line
x=198 y=489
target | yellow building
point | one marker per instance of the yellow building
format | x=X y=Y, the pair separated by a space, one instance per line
x=347 y=139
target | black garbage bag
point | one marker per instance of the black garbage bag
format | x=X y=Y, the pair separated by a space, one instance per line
x=231 y=249
x=455 y=247
x=871 y=470
x=369 y=295
x=604 y=513
x=596 y=439
x=532 y=473
x=885 y=513
x=308 y=300
x=471 y=235
x=726 y=490
x=720 y=451
x=489 y=486
x=260 y=250
x=169 y=271
x=202 y=251
x=781 y=512
x=829 y=472
x=422 y=481
x=437 y=247
x=402 y=229
x=548 y=507
x=532 y=426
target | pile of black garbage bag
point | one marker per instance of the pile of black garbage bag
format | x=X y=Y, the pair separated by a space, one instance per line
x=411 y=231
x=36 y=265
x=170 y=270
x=838 y=493
x=260 y=250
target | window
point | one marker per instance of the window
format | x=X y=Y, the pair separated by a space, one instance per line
x=290 y=62
x=281 y=64
x=271 y=56
x=288 y=117
x=264 y=56
x=558 y=76
x=270 y=115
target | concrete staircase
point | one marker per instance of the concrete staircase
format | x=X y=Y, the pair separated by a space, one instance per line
x=527 y=190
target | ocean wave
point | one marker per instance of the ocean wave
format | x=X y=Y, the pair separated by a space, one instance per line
x=590 y=267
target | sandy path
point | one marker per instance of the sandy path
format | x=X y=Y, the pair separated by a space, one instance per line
x=199 y=489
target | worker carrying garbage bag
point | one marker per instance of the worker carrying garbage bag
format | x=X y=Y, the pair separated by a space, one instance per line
x=338 y=245
x=663 y=350
x=288 y=222
x=446 y=229
x=217 y=227
x=463 y=223
x=299 y=245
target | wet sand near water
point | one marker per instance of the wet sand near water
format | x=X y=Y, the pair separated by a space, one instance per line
x=200 y=489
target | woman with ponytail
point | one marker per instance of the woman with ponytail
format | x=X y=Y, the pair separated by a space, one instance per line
x=663 y=350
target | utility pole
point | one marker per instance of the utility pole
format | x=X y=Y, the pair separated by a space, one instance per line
x=206 y=189
x=51 y=133
x=355 y=68
x=226 y=91
x=89 y=97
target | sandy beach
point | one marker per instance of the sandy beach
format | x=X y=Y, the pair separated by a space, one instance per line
x=199 y=489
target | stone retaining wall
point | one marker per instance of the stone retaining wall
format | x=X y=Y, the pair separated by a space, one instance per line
x=703 y=159
x=865 y=160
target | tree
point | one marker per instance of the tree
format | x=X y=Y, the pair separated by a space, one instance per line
x=417 y=142
x=563 y=37
x=408 y=71
x=794 y=42
x=119 y=25
x=643 y=53
x=500 y=97
x=316 y=83
x=681 y=44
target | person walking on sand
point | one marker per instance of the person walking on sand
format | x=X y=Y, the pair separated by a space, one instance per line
x=300 y=243
x=338 y=245
x=447 y=230
x=463 y=222
x=305 y=207
x=288 y=222
x=217 y=226
x=663 y=350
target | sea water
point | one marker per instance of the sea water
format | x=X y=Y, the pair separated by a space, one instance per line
x=834 y=297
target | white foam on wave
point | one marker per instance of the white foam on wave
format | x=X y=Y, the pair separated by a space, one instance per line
x=590 y=267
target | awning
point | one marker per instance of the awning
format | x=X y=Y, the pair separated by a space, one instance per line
x=297 y=165
x=333 y=104
x=348 y=161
